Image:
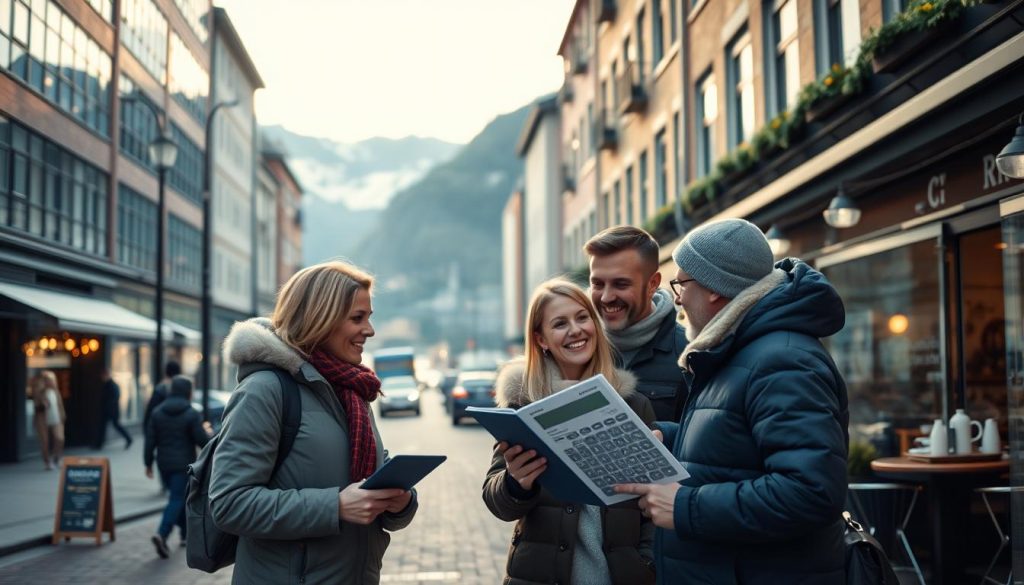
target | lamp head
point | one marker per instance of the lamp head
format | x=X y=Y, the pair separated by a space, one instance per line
x=842 y=212
x=163 y=152
x=777 y=240
x=1010 y=160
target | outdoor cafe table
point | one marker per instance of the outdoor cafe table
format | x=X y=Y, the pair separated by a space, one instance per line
x=948 y=489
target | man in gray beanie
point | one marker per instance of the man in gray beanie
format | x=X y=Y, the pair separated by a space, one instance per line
x=764 y=432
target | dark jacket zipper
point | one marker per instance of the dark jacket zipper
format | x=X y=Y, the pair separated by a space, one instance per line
x=302 y=565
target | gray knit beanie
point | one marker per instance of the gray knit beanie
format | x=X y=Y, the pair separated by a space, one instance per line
x=725 y=256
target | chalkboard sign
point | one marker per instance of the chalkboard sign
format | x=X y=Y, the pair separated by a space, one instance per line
x=84 y=503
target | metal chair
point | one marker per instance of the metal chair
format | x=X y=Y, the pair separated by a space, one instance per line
x=893 y=501
x=1004 y=539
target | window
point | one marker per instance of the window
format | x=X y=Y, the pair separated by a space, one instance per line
x=55 y=57
x=673 y=10
x=629 y=195
x=188 y=80
x=643 y=186
x=638 y=58
x=707 y=113
x=613 y=96
x=607 y=207
x=740 y=84
x=196 y=13
x=136 y=230
x=50 y=193
x=591 y=139
x=677 y=151
x=891 y=8
x=184 y=244
x=104 y=7
x=783 y=50
x=144 y=33
x=138 y=127
x=660 y=169
x=658 y=49
x=836 y=33
x=187 y=174
x=618 y=202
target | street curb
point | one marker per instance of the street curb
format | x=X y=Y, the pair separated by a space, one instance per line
x=48 y=539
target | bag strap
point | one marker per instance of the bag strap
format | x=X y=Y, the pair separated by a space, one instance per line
x=291 y=413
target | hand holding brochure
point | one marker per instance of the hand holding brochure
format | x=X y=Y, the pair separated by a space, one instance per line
x=591 y=438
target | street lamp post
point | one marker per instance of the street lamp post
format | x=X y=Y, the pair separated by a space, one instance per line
x=204 y=365
x=163 y=152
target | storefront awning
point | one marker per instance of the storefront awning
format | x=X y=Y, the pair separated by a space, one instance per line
x=188 y=334
x=83 y=314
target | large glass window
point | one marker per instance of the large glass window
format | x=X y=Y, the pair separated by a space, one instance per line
x=138 y=126
x=188 y=81
x=836 y=33
x=740 y=84
x=136 y=229
x=184 y=243
x=889 y=352
x=49 y=52
x=707 y=114
x=144 y=33
x=783 y=79
x=50 y=193
x=187 y=174
x=196 y=13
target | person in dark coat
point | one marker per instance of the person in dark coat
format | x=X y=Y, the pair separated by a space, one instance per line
x=175 y=432
x=162 y=390
x=640 y=317
x=110 y=403
x=764 y=432
x=559 y=541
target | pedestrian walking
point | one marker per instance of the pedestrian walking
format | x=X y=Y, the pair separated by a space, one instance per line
x=162 y=390
x=48 y=417
x=175 y=432
x=309 y=521
x=110 y=404
x=557 y=541
x=638 y=315
x=764 y=431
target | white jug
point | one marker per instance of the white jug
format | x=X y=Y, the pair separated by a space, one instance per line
x=938 y=440
x=962 y=426
x=990 y=437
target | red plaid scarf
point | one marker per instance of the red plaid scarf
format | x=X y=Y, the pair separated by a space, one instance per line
x=356 y=386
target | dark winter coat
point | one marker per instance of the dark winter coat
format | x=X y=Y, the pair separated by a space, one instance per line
x=110 y=399
x=288 y=524
x=764 y=438
x=175 y=431
x=656 y=367
x=544 y=537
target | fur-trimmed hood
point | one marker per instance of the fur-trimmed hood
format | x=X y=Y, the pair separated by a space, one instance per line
x=511 y=391
x=254 y=341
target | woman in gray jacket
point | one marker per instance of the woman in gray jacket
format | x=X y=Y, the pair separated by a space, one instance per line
x=310 y=522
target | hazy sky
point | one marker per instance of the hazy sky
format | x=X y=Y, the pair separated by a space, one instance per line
x=352 y=69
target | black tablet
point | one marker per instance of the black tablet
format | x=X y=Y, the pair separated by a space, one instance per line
x=403 y=471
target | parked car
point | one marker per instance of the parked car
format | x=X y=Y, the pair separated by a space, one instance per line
x=446 y=384
x=400 y=393
x=471 y=389
x=218 y=402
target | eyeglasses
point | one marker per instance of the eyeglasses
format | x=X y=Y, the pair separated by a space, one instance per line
x=678 y=286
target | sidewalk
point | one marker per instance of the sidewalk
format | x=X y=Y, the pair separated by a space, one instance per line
x=30 y=494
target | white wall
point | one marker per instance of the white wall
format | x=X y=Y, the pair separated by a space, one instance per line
x=542 y=204
x=511 y=259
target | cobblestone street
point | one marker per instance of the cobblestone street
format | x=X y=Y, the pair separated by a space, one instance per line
x=454 y=539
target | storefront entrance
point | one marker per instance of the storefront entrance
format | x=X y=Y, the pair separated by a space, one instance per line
x=1012 y=213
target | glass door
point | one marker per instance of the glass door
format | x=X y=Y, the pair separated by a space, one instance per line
x=1012 y=212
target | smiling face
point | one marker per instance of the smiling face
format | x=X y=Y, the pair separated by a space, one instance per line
x=569 y=333
x=699 y=305
x=347 y=338
x=622 y=286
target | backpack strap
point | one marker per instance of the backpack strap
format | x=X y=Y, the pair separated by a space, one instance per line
x=291 y=413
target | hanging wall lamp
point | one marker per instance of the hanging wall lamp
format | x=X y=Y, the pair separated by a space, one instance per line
x=777 y=240
x=1010 y=160
x=842 y=212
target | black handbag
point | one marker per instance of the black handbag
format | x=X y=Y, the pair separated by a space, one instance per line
x=866 y=563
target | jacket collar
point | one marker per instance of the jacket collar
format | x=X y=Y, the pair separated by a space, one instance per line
x=510 y=387
x=663 y=341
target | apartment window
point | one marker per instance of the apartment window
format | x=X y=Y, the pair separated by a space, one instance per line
x=891 y=8
x=642 y=187
x=638 y=59
x=629 y=195
x=188 y=81
x=740 y=84
x=836 y=33
x=591 y=139
x=144 y=33
x=617 y=189
x=105 y=8
x=187 y=174
x=50 y=193
x=184 y=244
x=196 y=12
x=660 y=169
x=613 y=95
x=707 y=114
x=136 y=229
x=673 y=27
x=607 y=208
x=783 y=55
x=592 y=221
x=658 y=49
x=677 y=151
x=138 y=127
x=49 y=52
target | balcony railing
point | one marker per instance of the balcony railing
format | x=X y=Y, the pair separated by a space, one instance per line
x=631 y=91
x=604 y=10
x=606 y=132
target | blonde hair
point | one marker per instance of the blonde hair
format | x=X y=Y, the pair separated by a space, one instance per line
x=537 y=376
x=48 y=379
x=314 y=300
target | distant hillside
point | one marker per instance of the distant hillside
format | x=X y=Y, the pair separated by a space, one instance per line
x=347 y=185
x=451 y=215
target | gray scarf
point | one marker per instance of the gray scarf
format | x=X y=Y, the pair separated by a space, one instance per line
x=632 y=338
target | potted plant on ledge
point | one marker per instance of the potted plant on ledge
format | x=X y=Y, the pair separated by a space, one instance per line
x=912 y=30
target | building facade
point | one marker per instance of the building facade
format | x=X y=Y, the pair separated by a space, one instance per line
x=540 y=148
x=78 y=200
x=512 y=282
x=288 y=252
x=770 y=110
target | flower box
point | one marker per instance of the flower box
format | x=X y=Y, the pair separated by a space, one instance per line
x=824 y=107
x=906 y=46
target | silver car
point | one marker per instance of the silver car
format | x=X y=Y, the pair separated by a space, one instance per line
x=399 y=393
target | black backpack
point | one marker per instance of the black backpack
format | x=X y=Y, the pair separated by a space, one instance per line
x=208 y=548
x=866 y=563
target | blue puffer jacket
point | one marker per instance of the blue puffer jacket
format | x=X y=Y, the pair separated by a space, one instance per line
x=764 y=437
